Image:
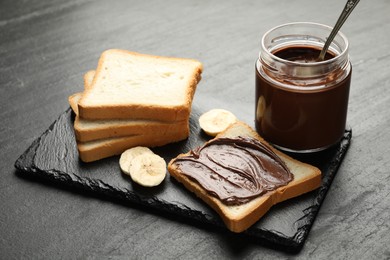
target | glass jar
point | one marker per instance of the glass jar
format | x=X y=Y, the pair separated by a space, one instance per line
x=302 y=103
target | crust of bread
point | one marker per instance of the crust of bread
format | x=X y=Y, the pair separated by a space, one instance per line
x=117 y=128
x=89 y=109
x=99 y=149
x=241 y=217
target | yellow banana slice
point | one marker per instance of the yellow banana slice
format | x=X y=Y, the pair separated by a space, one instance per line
x=128 y=156
x=148 y=169
x=216 y=120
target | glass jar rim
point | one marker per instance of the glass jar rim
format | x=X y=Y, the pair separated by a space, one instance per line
x=302 y=64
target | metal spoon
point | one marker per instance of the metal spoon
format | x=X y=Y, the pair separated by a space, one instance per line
x=349 y=6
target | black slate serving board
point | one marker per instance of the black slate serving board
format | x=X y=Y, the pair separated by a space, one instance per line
x=53 y=157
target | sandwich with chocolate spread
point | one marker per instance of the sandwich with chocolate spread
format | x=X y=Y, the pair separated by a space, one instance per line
x=241 y=176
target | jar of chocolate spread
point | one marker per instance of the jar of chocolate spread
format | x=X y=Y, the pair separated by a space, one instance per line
x=302 y=103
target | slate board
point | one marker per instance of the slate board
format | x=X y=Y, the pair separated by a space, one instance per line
x=53 y=157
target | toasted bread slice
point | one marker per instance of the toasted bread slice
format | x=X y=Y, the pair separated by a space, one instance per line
x=238 y=218
x=75 y=98
x=90 y=130
x=99 y=149
x=139 y=86
x=88 y=78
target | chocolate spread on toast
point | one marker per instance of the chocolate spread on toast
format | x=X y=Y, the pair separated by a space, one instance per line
x=235 y=170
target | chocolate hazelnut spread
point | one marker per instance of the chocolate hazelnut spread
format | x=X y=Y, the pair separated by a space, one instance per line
x=301 y=103
x=297 y=118
x=235 y=170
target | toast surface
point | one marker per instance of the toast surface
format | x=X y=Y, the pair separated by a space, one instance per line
x=132 y=85
x=238 y=218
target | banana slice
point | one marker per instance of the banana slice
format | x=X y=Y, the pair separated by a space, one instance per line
x=216 y=120
x=148 y=169
x=128 y=156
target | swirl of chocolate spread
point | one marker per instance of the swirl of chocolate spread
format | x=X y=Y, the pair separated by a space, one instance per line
x=235 y=170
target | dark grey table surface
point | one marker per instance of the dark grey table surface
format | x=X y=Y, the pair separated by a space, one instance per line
x=46 y=47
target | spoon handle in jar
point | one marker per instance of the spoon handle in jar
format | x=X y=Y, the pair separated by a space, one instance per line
x=348 y=8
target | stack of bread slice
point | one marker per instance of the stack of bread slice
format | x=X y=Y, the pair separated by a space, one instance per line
x=133 y=99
